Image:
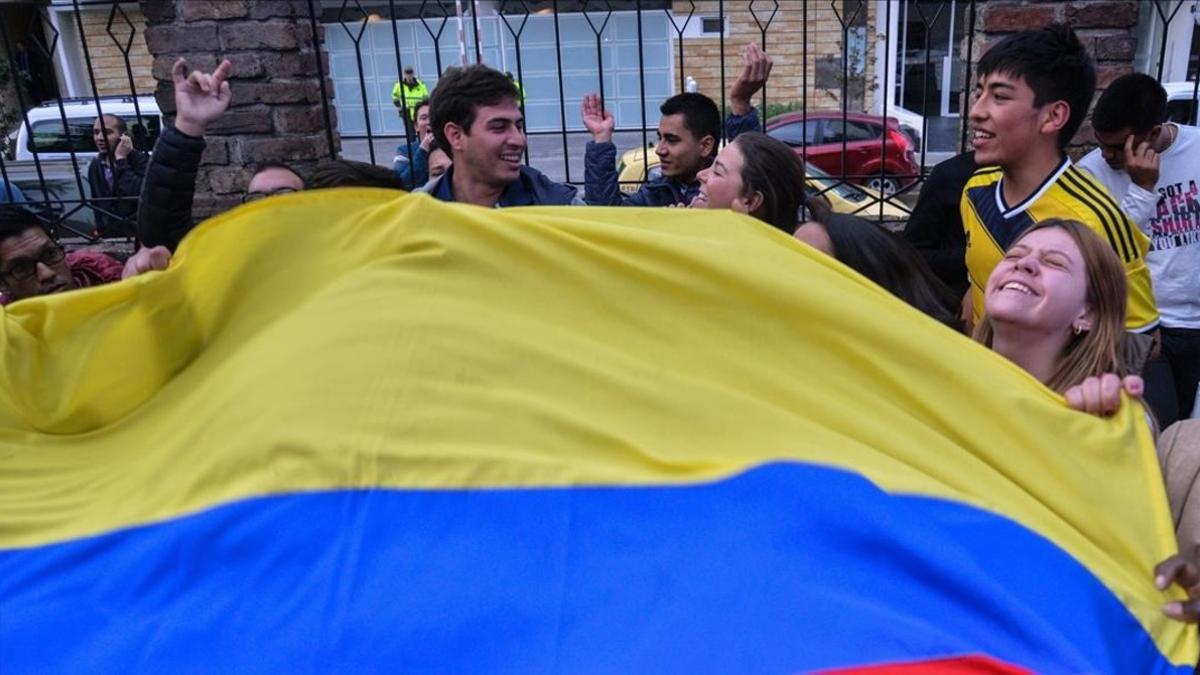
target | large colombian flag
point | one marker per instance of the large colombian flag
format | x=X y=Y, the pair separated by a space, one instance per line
x=354 y=432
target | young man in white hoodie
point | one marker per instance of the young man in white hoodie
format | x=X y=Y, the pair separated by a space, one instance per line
x=1153 y=168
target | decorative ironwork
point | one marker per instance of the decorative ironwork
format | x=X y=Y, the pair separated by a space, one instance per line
x=520 y=26
x=679 y=35
x=356 y=38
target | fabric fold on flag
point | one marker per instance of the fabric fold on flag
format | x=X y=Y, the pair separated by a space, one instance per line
x=354 y=430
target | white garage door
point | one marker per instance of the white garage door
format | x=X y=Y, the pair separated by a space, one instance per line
x=539 y=73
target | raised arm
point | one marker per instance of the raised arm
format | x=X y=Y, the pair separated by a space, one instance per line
x=756 y=69
x=600 y=157
x=165 y=208
x=200 y=98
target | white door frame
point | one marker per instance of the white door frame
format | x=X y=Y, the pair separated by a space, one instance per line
x=67 y=59
x=887 y=22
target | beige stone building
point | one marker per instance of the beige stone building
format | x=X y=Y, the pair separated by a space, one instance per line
x=108 y=61
x=806 y=41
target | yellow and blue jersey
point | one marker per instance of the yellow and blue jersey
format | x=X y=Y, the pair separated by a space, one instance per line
x=992 y=226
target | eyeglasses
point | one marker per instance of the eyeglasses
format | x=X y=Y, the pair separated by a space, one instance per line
x=26 y=268
x=255 y=196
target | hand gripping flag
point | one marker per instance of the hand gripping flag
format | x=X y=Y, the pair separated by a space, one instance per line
x=349 y=431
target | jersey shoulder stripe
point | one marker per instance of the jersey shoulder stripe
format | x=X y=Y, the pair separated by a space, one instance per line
x=1101 y=194
x=1106 y=220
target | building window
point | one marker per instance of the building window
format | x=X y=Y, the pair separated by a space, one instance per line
x=702 y=26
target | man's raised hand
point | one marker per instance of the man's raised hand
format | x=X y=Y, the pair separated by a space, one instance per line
x=598 y=121
x=756 y=68
x=200 y=97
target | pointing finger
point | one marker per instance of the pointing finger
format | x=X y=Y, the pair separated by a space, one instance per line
x=221 y=73
x=179 y=71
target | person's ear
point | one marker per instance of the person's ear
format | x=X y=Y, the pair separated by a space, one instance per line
x=455 y=135
x=753 y=202
x=708 y=147
x=1083 y=323
x=1055 y=116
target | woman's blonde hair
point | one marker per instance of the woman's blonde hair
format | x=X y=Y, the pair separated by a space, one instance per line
x=1095 y=351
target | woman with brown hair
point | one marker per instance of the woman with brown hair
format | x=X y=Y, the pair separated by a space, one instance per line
x=756 y=175
x=1056 y=305
x=882 y=257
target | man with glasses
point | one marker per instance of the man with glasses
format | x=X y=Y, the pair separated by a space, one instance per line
x=165 y=211
x=270 y=179
x=32 y=264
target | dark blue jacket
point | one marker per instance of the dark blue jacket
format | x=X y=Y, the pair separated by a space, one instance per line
x=600 y=173
x=531 y=188
x=411 y=164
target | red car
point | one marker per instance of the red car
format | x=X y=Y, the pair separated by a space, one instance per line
x=850 y=145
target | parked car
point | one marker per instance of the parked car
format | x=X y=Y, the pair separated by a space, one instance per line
x=57 y=192
x=911 y=124
x=851 y=145
x=863 y=201
x=1182 y=102
x=47 y=136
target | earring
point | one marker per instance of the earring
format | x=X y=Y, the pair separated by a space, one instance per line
x=1077 y=328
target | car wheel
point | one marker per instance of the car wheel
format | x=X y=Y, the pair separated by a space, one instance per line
x=886 y=185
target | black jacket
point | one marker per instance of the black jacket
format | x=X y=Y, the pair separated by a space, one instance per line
x=164 y=215
x=115 y=206
x=936 y=228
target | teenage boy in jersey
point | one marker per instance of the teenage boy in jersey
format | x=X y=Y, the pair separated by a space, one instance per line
x=1032 y=94
x=689 y=133
x=477 y=121
x=1153 y=167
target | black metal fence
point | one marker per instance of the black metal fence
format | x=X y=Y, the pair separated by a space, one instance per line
x=897 y=175
x=48 y=135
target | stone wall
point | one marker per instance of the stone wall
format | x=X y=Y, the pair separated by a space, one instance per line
x=787 y=32
x=108 y=61
x=276 y=114
x=1106 y=27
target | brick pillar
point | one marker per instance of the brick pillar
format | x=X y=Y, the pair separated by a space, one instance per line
x=276 y=114
x=1106 y=27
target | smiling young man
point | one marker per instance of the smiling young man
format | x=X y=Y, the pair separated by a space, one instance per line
x=689 y=135
x=476 y=120
x=1032 y=95
x=1151 y=165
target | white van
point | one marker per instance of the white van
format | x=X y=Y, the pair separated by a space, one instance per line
x=1181 y=102
x=46 y=135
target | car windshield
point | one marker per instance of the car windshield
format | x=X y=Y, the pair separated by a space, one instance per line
x=51 y=136
x=830 y=184
x=1181 y=111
